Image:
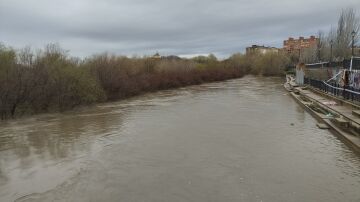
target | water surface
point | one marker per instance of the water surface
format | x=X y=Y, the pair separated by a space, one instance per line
x=239 y=140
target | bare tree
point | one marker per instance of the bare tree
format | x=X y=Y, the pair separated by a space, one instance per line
x=25 y=56
x=348 y=22
x=310 y=55
x=320 y=45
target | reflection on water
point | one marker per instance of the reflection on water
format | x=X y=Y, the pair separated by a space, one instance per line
x=240 y=140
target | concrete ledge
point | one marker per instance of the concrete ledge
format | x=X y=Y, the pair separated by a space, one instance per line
x=350 y=140
x=356 y=113
x=342 y=122
x=322 y=126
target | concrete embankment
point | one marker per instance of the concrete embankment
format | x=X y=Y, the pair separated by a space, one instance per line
x=339 y=116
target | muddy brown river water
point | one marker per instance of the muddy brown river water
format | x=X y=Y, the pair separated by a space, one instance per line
x=239 y=140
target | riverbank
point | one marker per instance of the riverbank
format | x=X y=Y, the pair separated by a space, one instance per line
x=55 y=82
x=149 y=83
x=50 y=80
x=337 y=115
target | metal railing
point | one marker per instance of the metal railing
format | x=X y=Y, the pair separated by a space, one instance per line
x=347 y=92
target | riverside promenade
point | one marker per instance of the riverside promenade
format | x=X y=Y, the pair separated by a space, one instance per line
x=339 y=115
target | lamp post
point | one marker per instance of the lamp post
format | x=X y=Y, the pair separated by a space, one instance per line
x=352 y=43
x=331 y=46
x=319 y=49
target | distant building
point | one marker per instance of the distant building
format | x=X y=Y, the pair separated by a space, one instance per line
x=156 y=56
x=294 y=45
x=261 y=49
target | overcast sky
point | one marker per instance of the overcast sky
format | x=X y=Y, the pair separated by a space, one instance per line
x=180 y=27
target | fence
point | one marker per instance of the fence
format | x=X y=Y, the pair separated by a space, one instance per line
x=335 y=89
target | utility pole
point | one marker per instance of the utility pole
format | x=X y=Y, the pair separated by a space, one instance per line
x=352 y=43
x=319 y=50
x=331 y=46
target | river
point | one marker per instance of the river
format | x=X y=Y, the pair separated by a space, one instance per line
x=239 y=140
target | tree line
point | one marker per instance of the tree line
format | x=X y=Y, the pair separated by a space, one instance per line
x=50 y=80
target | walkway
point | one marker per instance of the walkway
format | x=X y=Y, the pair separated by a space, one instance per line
x=336 y=105
x=331 y=104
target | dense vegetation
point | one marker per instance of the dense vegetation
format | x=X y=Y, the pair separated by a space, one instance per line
x=51 y=80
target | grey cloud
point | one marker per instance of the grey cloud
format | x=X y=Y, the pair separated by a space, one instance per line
x=172 y=27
